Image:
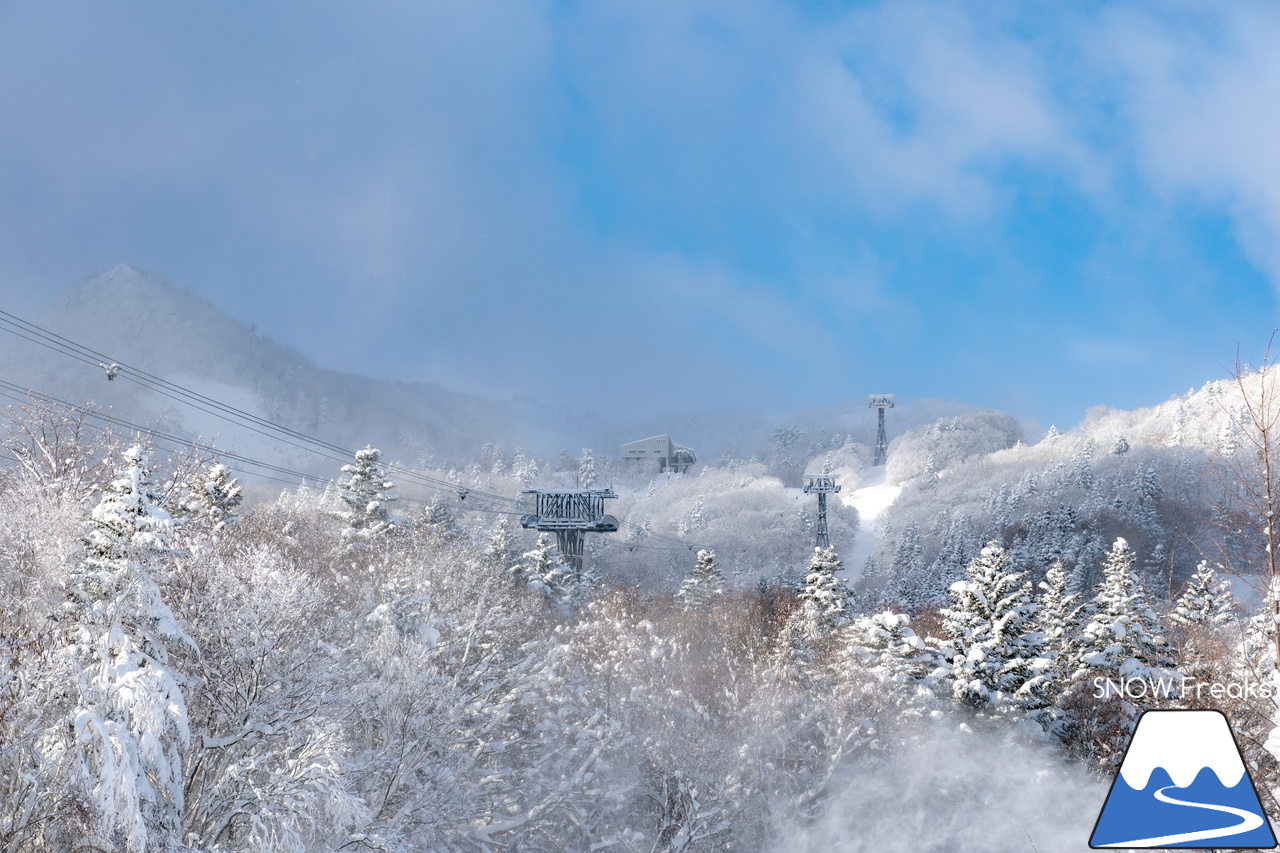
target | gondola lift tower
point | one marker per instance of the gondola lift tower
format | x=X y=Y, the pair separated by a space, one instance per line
x=570 y=514
x=821 y=485
x=880 y=402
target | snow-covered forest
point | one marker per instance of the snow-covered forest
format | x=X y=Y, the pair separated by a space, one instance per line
x=346 y=667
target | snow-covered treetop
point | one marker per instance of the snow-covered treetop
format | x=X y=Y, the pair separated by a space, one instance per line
x=129 y=516
x=1206 y=600
x=825 y=598
x=367 y=492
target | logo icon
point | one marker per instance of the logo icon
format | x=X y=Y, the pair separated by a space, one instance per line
x=1182 y=784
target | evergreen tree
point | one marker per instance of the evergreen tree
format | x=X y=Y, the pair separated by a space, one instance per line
x=1177 y=432
x=1122 y=639
x=1082 y=466
x=697 y=516
x=500 y=550
x=825 y=599
x=587 y=475
x=908 y=584
x=1121 y=447
x=705 y=582
x=131 y=724
x=216 y=500
x=1228 y=438
x=437 y=521
x=525 y=468
x=1206 y=601
x=1259 y=645
x=908 y=553
x=406 y=609
x=996 y=654
x=785 y=439
x=885 y=645
x=541 y=571
x=1059 y=616
x=367 y=492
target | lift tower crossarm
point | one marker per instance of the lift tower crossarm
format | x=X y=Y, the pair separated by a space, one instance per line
x=570 y=513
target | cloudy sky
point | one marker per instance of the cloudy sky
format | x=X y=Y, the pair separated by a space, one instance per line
x=637 y=206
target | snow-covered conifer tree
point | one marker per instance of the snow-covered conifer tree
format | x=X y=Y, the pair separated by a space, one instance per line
x=587 y=475
x=1123 y=637
x=1258 y=644
x=909 y=584
x=931 y=472
x=885 y=645
x=131 y=724
x=524 y=468
x=406 y=609
x=540 y=570
x=437 y=521
x=1082 y=466
x=697 y=516
x=996 y=652
x=1059 y=615
x=705 y=582
x=1177 y=431
x=1206 y=600
x=215 y=500
x=825 y=599
x=908 y=553
x=500 y=550
x=368 y=493
x=1228 y=438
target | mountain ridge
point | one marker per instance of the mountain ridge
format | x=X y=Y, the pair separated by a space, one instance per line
x=143 y=320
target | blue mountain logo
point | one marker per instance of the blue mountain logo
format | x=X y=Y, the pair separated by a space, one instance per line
x=1182 y=784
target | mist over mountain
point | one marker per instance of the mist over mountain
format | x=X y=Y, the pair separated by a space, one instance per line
x=145 y=321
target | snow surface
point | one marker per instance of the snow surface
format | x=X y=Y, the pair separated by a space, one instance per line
x=873 y=496
x=1183 y=743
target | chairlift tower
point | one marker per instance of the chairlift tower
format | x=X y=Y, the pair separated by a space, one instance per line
x=881 y=402
x=570 y=514
x=821 y=485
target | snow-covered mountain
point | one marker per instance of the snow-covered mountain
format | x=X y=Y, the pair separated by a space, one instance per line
x=1148 y=475
x=145 y=321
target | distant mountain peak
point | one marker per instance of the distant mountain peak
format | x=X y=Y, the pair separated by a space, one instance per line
x=146 y=322
x=123 y=284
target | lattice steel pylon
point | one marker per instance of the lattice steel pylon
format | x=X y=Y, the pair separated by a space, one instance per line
x=881 y=402
x=570 y=514
x=821 y=485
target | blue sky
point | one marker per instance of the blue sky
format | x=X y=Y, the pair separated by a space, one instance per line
x=667 y=205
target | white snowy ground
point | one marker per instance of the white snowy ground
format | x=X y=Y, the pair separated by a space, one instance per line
x=872 y=497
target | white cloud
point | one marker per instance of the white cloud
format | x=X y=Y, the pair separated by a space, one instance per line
x=910 y=102
x=1199 y=88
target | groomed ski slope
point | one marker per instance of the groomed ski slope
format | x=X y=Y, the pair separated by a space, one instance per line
x=873 y=496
